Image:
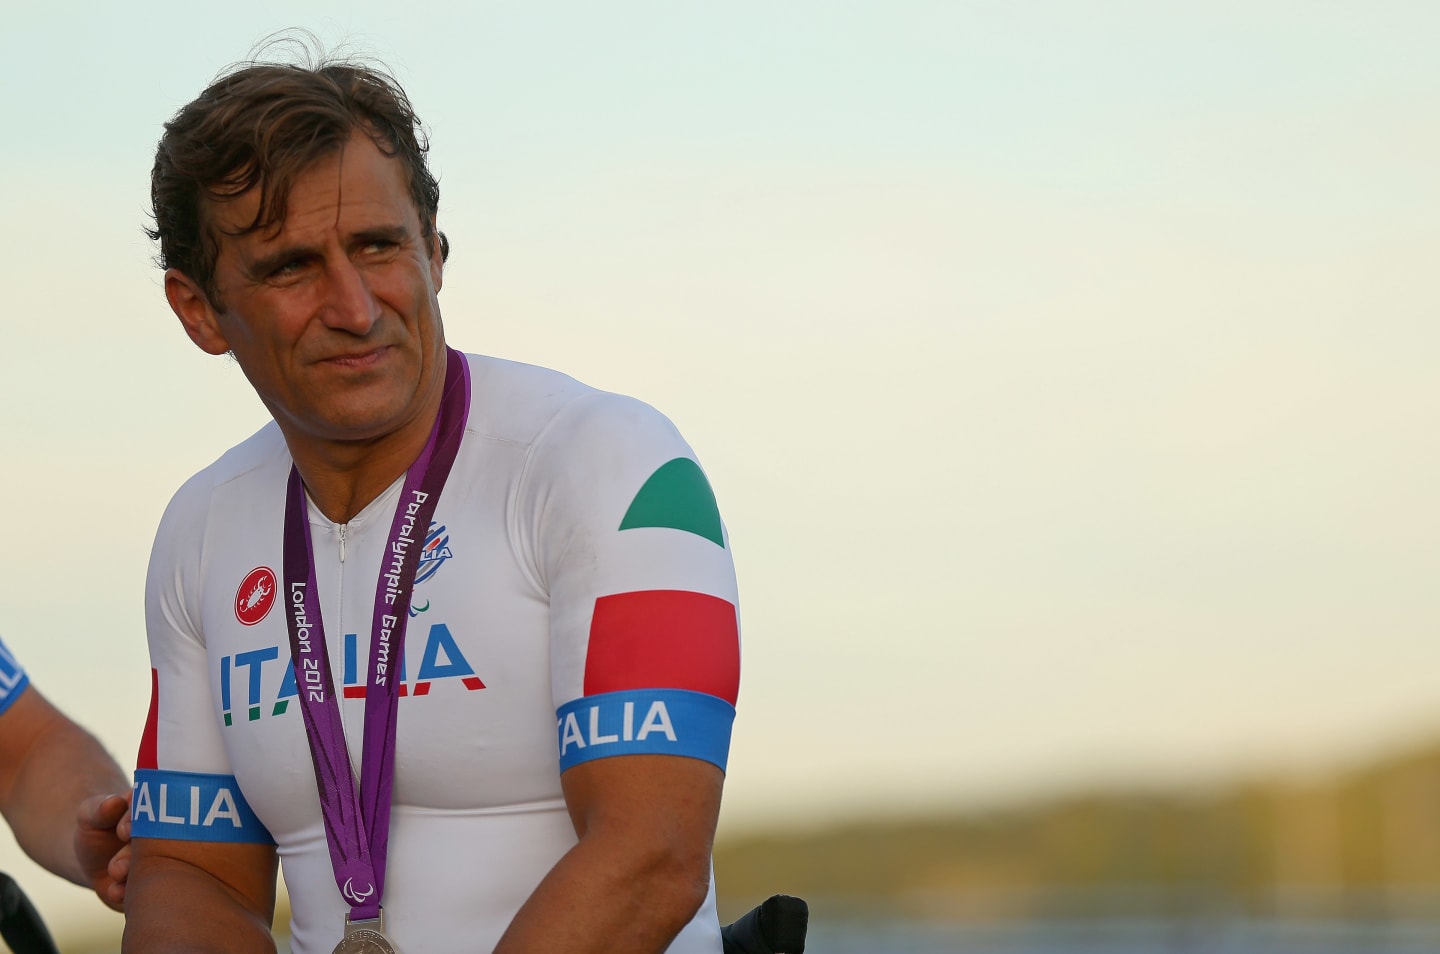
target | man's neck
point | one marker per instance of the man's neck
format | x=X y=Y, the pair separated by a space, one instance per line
x=344 y=475
x=342 y=491
x=342 y=478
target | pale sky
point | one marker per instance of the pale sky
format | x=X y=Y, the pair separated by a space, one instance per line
x=1065 y=371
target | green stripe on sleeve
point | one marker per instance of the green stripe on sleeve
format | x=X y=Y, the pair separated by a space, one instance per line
x=679 y=497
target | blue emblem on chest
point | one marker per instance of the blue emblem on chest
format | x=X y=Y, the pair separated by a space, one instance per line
x=436 y=552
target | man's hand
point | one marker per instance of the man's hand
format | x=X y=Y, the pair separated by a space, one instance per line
x=50 y=773
x=102 y=845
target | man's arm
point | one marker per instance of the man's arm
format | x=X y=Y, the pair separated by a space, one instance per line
x=63 y=795
x=644 y=630
x=642 y=867
x=200 y=897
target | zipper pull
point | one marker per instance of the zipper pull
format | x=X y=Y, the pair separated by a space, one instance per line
x=342 y=542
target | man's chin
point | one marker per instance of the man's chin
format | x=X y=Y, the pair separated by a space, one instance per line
x=351 y=426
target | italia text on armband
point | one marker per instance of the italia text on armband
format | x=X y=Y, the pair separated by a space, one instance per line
x=192 y=806
x=645 y=721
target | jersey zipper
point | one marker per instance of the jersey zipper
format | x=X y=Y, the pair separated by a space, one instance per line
x=342 y=531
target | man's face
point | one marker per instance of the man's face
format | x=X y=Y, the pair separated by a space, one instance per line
x=333 y=318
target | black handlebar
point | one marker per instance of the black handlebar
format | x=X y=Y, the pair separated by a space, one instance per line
x=776 y=927
x=20 y=923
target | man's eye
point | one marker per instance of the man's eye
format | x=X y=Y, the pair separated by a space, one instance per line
x=287 y=269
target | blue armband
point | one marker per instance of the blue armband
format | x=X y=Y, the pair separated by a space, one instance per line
x=190 y=806
x=645 y=722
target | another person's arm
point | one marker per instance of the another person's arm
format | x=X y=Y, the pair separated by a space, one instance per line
x=62 y=795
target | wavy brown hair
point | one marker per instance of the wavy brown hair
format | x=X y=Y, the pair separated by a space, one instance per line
x=260 y=125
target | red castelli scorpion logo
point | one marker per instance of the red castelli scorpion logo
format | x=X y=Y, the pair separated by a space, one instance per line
x=255 y=596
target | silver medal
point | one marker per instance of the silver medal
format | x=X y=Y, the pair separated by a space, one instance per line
x=365 y=937
x=364 y=942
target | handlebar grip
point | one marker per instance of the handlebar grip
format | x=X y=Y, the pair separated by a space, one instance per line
x=20 y=924
x=775 y=927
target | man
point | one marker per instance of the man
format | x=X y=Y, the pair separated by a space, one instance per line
x=538 y=767
x=60 y=791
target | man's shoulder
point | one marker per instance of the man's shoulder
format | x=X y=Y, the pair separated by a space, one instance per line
x=517 y=402
x=572 y=430
x=260 y=452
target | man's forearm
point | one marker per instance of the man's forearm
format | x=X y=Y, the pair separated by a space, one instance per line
x=63 y=766
x=174 y=907
x=599 y=901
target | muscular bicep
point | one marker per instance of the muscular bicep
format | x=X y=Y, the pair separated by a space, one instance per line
x=28 y=717
x=641 y=868
x=199 y=896
x=240 y=874
x=667 y=802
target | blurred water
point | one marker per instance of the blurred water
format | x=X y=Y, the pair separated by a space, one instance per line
x=1110 y=936
x=1107 y=936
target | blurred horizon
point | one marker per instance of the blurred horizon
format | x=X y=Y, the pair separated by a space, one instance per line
x=1329 y=862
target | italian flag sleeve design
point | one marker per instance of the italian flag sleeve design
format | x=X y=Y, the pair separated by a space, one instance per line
x=645 y=629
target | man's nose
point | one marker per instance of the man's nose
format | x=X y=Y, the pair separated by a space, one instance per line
x=350 y=305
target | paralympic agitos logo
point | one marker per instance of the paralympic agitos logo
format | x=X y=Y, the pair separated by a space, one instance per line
x=248 y=679
x=355 y=895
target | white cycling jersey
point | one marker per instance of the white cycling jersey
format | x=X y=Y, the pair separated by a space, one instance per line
x=575 y=600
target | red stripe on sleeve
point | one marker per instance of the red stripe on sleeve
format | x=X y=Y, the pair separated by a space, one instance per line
x=664 y=639
x=147 y=758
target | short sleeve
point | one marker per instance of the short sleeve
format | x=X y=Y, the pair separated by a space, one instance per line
x=184 y=786
x=645 y=634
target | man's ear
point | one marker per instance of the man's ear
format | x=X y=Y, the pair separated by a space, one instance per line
x=437 y=256
x=195 y=312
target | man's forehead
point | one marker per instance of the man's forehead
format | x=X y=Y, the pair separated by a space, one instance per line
x=354 y=185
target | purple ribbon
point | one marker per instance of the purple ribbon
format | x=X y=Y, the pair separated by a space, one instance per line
x=357 y=824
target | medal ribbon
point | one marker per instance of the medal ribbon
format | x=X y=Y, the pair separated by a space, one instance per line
x=357 y=824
